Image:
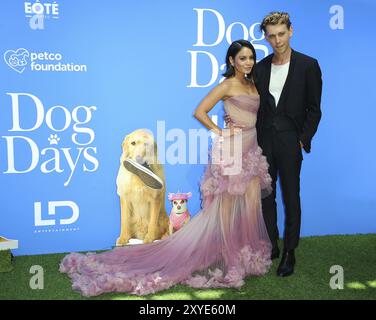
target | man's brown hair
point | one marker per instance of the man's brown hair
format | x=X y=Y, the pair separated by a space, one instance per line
x=274 y=18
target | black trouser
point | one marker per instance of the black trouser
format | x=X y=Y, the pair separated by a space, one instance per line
x=284 y=155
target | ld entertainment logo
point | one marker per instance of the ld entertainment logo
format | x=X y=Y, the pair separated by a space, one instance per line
x=67 y=209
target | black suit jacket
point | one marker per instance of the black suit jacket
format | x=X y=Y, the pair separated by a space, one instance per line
x=300 y=98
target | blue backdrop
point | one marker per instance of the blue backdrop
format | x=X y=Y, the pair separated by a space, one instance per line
x=77 y=76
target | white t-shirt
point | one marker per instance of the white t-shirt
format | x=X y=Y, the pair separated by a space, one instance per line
x=277 y=80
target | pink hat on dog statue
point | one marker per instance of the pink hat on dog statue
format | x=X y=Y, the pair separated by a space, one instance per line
x=179 y=196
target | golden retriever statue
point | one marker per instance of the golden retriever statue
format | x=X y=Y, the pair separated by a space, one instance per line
x=143 y=212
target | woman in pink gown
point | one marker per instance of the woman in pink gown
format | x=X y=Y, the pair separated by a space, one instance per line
x=227 y=240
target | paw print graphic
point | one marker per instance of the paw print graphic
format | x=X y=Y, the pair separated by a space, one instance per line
x=53 y=139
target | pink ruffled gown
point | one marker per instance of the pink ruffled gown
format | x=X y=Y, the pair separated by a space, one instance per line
x=221 y=245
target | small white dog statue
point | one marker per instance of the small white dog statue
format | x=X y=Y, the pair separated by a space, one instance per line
x=179 y=215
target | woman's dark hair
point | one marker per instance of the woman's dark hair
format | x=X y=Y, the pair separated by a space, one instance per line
x=232 y=51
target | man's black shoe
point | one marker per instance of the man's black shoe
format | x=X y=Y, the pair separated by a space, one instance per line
x=286 y=266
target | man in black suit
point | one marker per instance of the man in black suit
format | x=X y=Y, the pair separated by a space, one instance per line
x=290 y=85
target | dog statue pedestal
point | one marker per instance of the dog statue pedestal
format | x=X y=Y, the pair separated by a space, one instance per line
x=137 y=241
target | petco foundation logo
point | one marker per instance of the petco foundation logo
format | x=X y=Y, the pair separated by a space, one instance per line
x=68 y=212
x=212 y=21
x=38 y=12
x=69 y=137
x=40 y=61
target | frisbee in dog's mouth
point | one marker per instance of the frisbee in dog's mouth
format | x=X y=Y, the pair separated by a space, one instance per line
x=144 y=172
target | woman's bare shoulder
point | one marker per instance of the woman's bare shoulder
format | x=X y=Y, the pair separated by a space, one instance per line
x=226 y=86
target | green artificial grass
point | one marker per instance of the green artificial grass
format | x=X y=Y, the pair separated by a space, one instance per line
x=315 y=256
x=5 y=261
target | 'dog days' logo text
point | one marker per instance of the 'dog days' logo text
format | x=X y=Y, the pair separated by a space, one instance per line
x=25 y=153
x=221 y=32
x=18 y=60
